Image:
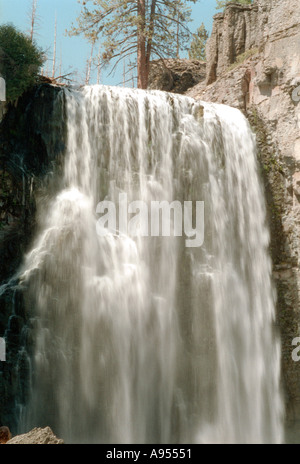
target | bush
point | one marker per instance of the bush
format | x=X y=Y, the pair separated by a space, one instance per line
x=20 y=61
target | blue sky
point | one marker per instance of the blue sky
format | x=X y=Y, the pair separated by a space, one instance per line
x=74 y=51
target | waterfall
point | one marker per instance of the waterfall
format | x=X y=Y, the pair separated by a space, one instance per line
x=141 y=338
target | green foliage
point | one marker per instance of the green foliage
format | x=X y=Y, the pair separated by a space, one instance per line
x=197 y=48
x=222 y=3
x=20 y=61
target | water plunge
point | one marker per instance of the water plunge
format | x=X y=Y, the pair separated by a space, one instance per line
x=143 y=339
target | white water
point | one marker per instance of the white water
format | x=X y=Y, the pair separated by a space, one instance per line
x=143 y=340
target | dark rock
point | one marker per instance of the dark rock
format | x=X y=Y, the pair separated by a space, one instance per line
x=28 y=153
x=176 y=75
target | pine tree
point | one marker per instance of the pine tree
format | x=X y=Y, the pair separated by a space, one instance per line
x=20 y=61
x=143 y=28
x=197 y=48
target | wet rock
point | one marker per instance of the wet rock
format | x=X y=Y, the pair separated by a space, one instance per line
x=29 y=154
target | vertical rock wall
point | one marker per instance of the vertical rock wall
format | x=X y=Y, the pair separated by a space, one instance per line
x=254 y=65
x=29 y=153
x=234 y=31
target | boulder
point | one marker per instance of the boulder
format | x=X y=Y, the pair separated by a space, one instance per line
x=176 y=75
x=37 y=436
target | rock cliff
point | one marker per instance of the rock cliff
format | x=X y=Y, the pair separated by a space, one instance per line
x=28 y=156
x=254 y=64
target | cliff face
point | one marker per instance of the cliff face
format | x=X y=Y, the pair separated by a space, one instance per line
x=28 y=155
x=238 y=29
x=254 y=65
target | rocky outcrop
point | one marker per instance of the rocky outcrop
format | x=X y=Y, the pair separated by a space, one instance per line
x=176 y=75
x=37 y=436
x=254 y=65
x=236 y=30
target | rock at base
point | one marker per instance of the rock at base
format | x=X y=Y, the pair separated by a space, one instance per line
x=37 y=436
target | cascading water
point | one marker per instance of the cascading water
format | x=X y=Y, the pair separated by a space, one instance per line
x=143 y=339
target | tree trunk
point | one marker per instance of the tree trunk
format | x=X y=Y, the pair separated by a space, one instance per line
x=150 y=37
x=54 y=49
x=141 y=47
x=33 y=15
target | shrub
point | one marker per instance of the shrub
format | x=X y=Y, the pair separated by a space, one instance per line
x=20 y=61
